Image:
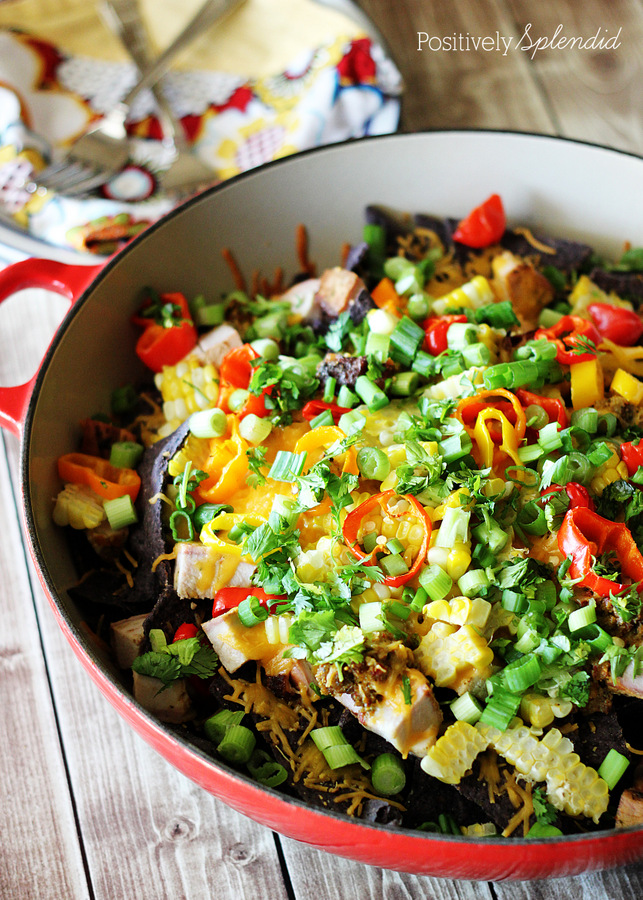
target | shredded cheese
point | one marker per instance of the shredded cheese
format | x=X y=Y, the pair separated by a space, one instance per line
x=535 y=243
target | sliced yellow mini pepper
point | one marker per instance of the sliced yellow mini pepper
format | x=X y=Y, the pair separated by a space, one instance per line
x=485 y=442
x=226 y=465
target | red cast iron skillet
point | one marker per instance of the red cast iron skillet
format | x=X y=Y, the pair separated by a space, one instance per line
x=559 y=187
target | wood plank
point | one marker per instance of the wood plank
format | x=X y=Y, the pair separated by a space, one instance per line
x=617 y=884
x=148 y=831
x=40 y=849
x=314 y=873
x=593 y=94
x=461 y=88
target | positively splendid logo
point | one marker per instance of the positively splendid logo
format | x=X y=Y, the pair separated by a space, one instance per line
x=498 y=43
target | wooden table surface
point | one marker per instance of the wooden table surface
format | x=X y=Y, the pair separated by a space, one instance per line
x=88 y=810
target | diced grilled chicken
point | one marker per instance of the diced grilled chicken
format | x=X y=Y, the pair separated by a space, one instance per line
x=630 y=808
x=337 y=289
x=528 y=290
x=126 y=638
x=170 y=704
x=388 y=696
x=201 y=571
x=235 y=645
x=214 y=345
x=301 y=296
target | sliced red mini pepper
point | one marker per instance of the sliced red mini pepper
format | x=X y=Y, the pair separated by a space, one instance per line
x=435 y=340
x=185 y=631
x=555 y=409
x=235 y=372
x=231 y=597
x=566 y=334
x=622 y=326
x=577 y=493
x=354 y=519
x=161 y=345
x=584 y=535
x=484 y=225
x=314 y=408
x=632 y=456
x=104 y=479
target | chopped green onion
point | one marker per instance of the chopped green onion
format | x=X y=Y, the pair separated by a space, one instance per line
x=328 y=736
x=369 y=541
x=460 y=335
x=528 y=641
x=536 y=350
x=587 y=419
x=251 y=612
x=287 y=466
x=272 y=325
x=255 y=429
x=521 y=674
x=329 y=390
x=455 y=447
x=396 y=267
x=586 y=615
x=237 y=745
x=120 y=512
x=607 y=424
x=266 y=348
x=613 y=767
x=210 y=315
x=572 y=467
x=454 y=527
x=436 y=582
x=395 y=546
x=377 y=345
x=373 y=463
x=473 y=582
x=238 y=399
x=501 y=707
x=541 y=830
x=373 y=397
x=597 y=638
x=181 y=525
x=420 y=597
x=375 y=237
x=489 y=533
x=125 y=454
x=549 y=437
x=530 y=453
x=387 y=774
x=208 y=423
x=514 y=602
x=476 y=355
x=599 y=453
x=343 y=755
x=206 y=512
x=322 y=420
x=536 y=417
x=424 y=364
x=370 y=616
x=406 y=340
x=397 y=609
x=216 y=726
x=352 y=421
x=466 y=708
x=404 y=384
x=418 y=306
x=394 y=565
x=284 y=510
x=532 y=519
x=265 y=770
x=346 y=397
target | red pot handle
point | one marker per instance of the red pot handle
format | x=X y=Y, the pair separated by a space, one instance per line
x=70 y=281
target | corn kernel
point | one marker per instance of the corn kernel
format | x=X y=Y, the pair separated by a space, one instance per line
x=77 y=505
x=451 y=757
x=458 y=561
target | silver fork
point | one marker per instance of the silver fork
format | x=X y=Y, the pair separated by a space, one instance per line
x=102 y=151
x=186 y=173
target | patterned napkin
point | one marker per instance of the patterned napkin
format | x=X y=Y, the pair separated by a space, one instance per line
x=341 y=87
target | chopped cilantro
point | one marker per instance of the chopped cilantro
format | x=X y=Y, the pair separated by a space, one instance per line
x=256 y=462
x=545 y=813
x=168 y=662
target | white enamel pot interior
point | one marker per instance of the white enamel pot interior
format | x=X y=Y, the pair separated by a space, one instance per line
x=555 y=186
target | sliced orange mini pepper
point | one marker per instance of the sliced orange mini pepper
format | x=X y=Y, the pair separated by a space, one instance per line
x=226 y=465
x=486 y=398
x=96 y=473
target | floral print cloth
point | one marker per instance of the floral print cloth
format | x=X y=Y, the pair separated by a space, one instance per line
x=345 y=88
